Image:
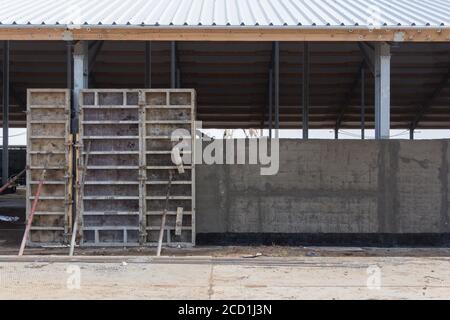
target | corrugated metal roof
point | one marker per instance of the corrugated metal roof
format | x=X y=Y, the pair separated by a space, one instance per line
x=234 y=13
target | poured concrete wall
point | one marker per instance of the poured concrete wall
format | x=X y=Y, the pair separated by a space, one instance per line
x=328 y=186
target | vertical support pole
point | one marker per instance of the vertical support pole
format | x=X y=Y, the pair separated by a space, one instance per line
x=363 y=103
x=270 y=102
x=80 y=77
x=148 y=64
x=411 y=133
x=382 y=90
x=5 y=153
x=305 y=115
x=173 y=64
x=276 y=68
x=69 y=83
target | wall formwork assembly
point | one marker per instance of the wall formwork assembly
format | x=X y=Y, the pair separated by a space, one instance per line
x=124 y=151
x=49 y=147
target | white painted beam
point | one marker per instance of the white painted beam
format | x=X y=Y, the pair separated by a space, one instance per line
x=80 y=75
x=382 y=90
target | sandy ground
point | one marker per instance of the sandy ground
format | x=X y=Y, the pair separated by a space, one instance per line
x=39 y=277
x=211 y=272
x=7 y=248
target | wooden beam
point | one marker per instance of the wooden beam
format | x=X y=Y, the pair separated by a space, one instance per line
x=426 y=34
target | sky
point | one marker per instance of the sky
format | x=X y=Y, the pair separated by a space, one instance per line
x=18 y=136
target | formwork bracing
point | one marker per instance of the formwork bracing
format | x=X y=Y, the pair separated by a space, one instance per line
x=49 y=147
x=126 y=138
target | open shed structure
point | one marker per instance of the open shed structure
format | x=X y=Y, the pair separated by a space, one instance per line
x=297 y=64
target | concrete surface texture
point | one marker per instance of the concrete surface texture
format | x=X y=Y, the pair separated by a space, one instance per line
x=339 y=186
x=226 y=278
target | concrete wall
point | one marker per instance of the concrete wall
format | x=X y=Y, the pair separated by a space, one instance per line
x=335 y=187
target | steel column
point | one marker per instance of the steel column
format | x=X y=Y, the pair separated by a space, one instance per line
x=5 y=154
x=173 y=64
x=276 y=68
x=80 y=77
x=270 y=102
x=382 y=90
x=305 y=103
x=363 y=103
x=148 y=64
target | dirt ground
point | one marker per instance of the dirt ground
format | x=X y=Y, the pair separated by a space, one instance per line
x=212 y=272
x=224 y=278
x=235 y=251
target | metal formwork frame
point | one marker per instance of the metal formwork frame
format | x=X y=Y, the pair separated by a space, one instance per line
x=103 y=212
x=181 y=101
x=49 y=144
x=150 y=112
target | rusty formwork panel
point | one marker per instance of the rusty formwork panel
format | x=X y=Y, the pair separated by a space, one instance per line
x=49 y=144
x=127 y=137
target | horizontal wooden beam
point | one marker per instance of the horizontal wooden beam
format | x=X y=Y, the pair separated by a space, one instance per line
x=226 y=34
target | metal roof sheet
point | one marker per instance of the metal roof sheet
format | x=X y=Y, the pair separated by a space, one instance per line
x=227 y=13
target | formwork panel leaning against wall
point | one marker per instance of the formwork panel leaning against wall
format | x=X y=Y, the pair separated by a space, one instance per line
x=125 y=147
x=49 y=146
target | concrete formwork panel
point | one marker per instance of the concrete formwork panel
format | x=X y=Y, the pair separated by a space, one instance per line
x=127 y=135
x=49 y=146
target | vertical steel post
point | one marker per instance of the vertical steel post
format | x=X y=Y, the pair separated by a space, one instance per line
x=305 y=115
x=148 y=64
x=363 y=103
x=173 y=64
x=270 y=102
x=5 y=153
x=382 y=90
x=80 y=77
x=276 y=67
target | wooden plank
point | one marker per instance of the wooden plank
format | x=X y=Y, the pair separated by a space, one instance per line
x=410 y=34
